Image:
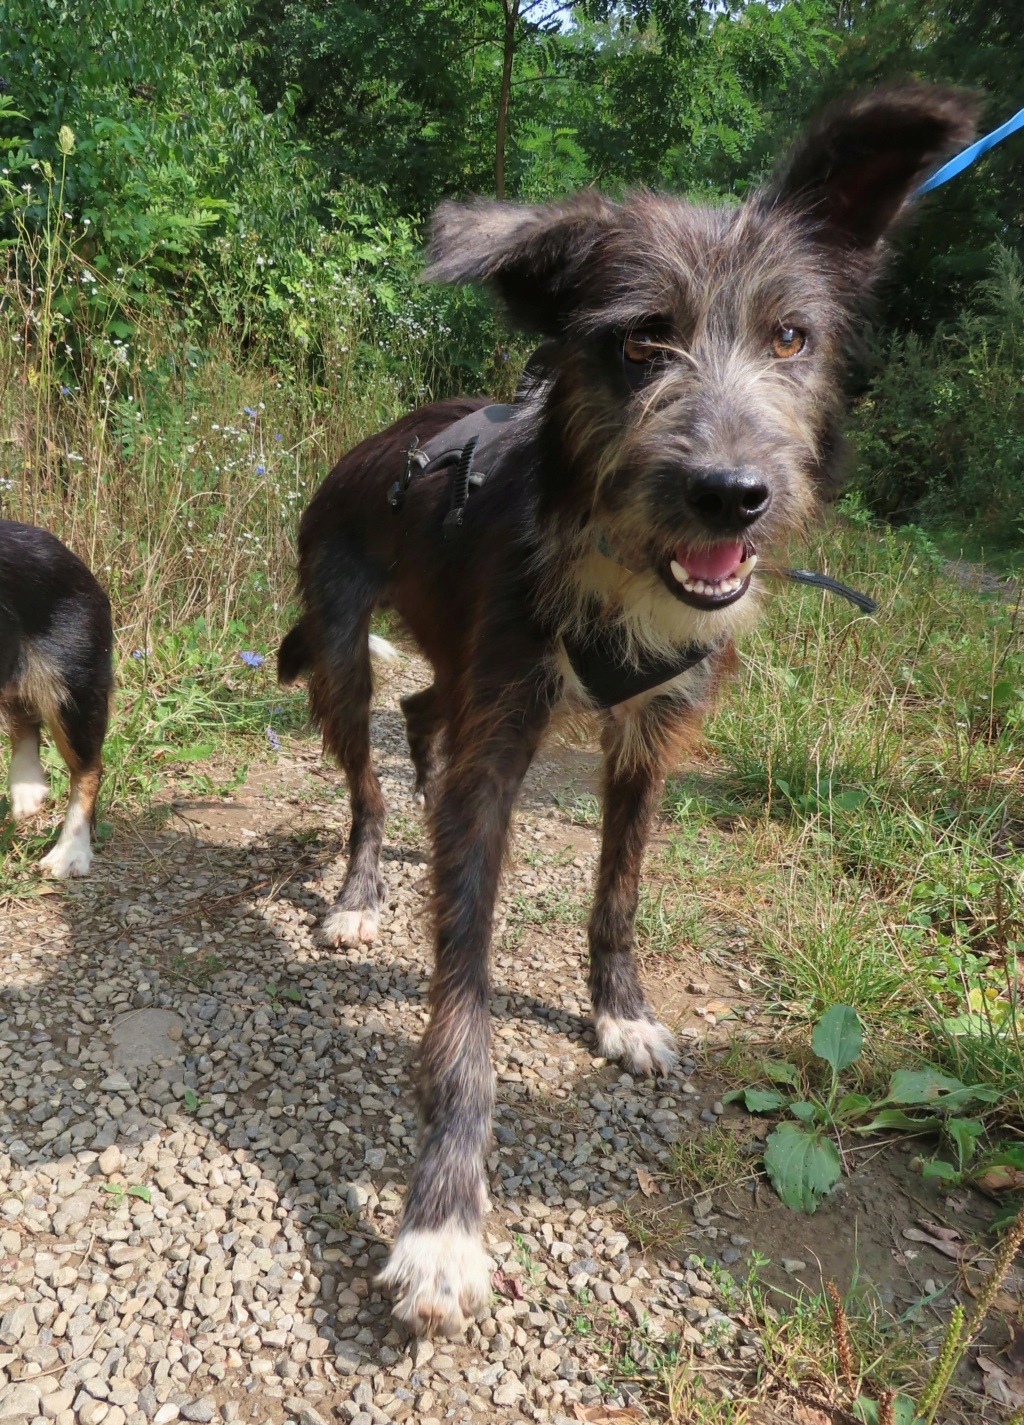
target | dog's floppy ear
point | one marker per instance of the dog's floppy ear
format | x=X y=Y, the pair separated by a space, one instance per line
x=535 y=257
x=858 y=164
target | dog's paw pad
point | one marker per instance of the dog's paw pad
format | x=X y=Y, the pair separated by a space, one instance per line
x=642 y=1045
x=350 y=927
x=438 y=1280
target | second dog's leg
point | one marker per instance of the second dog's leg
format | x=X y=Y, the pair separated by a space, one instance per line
x=72 y=855
x=27 y=778
x=78 y=733
x=626 y=1027
x=422 y=722
x=438 y=1271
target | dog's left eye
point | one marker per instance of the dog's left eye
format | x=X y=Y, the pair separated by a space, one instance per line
x=788 y=341
x=641 y=346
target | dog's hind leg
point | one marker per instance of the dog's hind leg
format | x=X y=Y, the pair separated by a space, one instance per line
x=422 y=725
x=340 y=689
x=438 y=1272
x=27 y=780
x=78 y=729
x=636 y=759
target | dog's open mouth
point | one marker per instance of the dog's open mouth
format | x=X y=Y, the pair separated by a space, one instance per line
x=711 y=578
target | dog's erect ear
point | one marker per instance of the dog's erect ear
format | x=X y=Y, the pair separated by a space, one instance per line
x=535 y=257
x=859 y=163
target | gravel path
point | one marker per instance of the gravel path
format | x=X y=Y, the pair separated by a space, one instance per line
x=207 y=1122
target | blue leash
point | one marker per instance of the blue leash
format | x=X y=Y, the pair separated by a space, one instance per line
x=963 y=160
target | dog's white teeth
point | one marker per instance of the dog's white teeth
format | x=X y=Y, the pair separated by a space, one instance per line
x=720 y=588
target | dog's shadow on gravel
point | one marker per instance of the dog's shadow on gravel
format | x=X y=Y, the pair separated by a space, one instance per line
x=205 y=1014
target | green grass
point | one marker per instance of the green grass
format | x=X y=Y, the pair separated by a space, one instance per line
x=860 y=812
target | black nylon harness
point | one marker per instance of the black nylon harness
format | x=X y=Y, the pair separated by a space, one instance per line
x=610 y=677
x=468 y=450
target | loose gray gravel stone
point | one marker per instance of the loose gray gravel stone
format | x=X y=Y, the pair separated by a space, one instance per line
x=202 y=1411
x=19 y=1402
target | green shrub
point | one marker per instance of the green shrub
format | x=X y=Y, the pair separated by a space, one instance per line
x=940 y=432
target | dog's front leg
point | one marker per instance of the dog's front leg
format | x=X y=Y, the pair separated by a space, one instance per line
x=438 y=1272
x=637 y=751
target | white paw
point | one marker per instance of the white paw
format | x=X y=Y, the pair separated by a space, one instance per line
x=72 y=856
x=438 y=1280
x=419 y=799
x=643 y=1045
x=28 y=797
x=350 y=927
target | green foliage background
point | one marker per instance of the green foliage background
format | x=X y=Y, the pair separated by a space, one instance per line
x=257 y=172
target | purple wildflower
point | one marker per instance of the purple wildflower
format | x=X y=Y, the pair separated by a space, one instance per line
x=261 y=469
x=278 y=436
x=142 y=652
x=249 y=411
x=252 y=660
x=273 y=739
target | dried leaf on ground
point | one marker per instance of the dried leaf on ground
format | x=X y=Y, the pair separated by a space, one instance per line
x=943 y=1239
x=947 y=1234
x=606 y=1414
x=714 y=1011
x=795 y=1414
x=507 y=1286
x=648 y=1186
x=1001 y=1178
x=999 y=1386
x=1013 y=1351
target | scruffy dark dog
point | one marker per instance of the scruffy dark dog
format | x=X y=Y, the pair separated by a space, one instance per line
x=684 y=423
x=56 y=644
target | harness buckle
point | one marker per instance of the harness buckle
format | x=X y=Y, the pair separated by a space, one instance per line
x=399 y=490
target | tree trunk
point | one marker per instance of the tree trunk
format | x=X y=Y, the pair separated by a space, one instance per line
x=508 y=56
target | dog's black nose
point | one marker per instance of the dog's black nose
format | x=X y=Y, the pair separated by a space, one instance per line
x=728 y=499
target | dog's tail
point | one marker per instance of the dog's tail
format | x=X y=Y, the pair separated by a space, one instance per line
x=382 y=649
x=294 y=657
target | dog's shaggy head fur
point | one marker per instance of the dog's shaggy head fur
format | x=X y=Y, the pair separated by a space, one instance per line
x=691 y=414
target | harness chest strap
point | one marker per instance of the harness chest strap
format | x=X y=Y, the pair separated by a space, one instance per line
x=610 y=678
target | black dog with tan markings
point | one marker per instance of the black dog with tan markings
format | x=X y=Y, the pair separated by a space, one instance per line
x=683 y=424
x=56 y=670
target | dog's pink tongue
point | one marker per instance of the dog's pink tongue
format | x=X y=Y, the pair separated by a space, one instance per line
x=717 y=563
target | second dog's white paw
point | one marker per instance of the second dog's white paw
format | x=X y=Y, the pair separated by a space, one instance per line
x=28 y=797
x=350 y=927
x=643 y=1045
x=72 y=856
x=438 y=1280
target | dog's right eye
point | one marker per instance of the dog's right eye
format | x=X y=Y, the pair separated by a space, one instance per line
x=641 y=346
